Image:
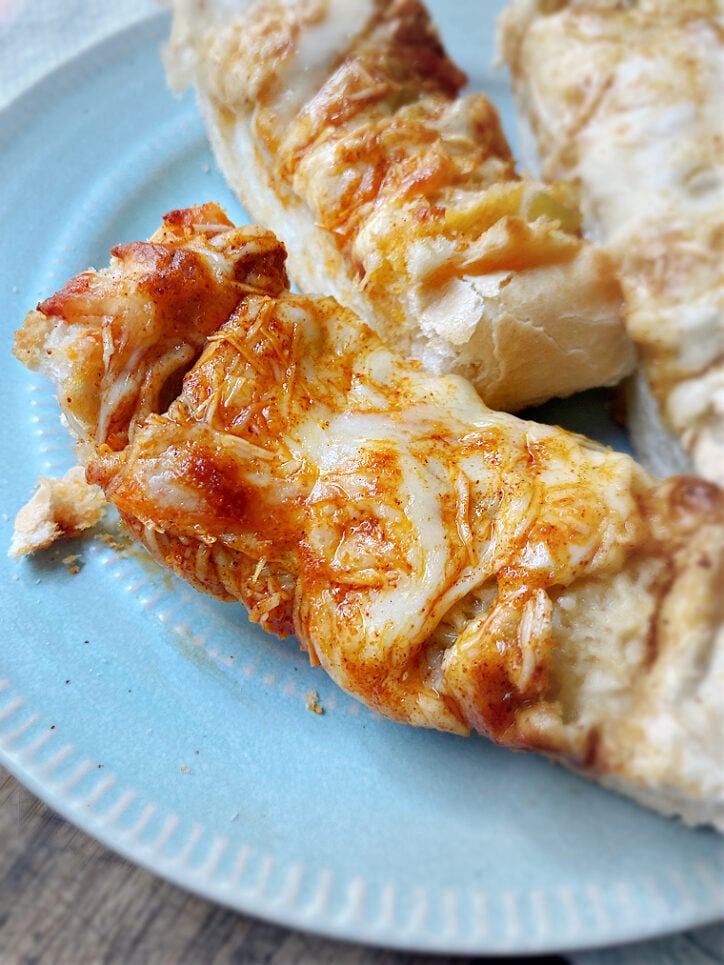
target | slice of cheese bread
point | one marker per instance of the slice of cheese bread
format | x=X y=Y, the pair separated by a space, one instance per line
x=625 y=100
x=450 y=566
x=341 y=127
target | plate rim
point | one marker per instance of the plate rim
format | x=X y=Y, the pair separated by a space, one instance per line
x=394 y=941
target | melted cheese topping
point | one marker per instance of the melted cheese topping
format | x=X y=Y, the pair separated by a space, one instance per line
x=447 y=564
x=627 y=102
x=132 y=329
x=300 y=439
x=409 y=192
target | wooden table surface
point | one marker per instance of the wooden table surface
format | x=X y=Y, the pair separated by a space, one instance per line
x=65 y=898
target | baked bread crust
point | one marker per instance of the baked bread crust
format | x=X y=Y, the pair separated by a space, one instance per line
x=341 y=128
x=625 y=99
x=57 y=509
x=450 y=566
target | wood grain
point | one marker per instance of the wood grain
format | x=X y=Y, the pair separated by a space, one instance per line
x=65 y=898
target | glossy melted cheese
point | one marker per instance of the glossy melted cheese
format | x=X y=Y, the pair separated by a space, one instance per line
x=387 y=494
x=451 y=566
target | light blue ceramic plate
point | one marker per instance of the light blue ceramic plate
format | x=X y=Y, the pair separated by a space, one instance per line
x=166 y=725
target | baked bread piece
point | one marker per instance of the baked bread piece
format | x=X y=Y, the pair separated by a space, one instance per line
x=625 y=99
x=341 y=128
x=58 y=508
x=450 y=566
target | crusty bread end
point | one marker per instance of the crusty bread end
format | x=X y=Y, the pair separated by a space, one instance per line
x=58 y=508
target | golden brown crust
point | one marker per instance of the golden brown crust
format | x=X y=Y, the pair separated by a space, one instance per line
x=399 y=196
x=450 y=566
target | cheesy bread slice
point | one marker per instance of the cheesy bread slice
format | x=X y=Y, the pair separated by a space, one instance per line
x=341 y=128
x=450 y=566
x=626 y=100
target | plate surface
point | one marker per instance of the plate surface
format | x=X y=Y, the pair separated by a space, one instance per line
x=170 y=728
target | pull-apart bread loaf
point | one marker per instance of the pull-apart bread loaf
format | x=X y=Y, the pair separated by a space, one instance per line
x=627 y=100
x=340 y=126
x=450 y=566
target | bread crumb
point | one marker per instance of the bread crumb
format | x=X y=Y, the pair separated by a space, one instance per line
x=58 y=508
x=312 y=699
x=115 y=539
x=72 y=563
